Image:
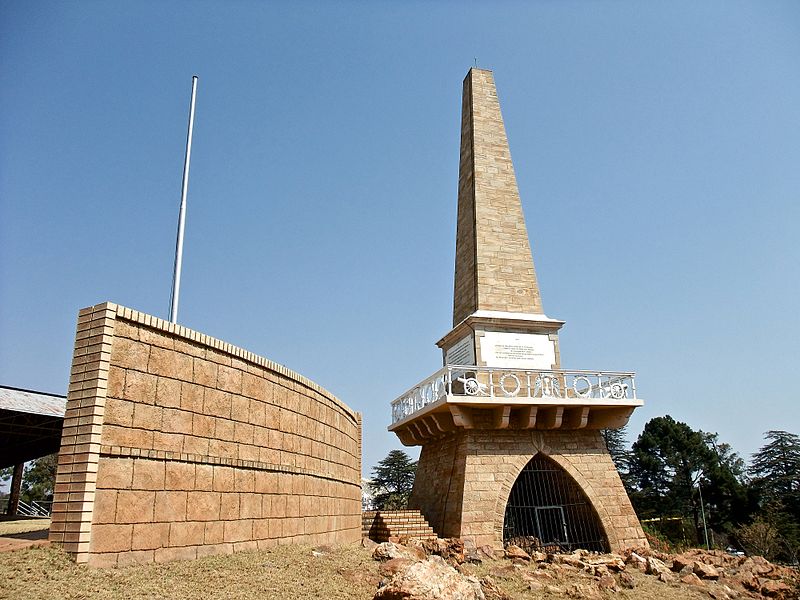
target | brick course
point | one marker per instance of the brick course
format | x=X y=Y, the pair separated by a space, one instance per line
x=177 y=445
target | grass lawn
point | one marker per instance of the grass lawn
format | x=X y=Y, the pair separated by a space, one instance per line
x=284 y=572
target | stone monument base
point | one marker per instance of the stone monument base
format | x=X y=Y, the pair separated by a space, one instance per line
x=464 y=486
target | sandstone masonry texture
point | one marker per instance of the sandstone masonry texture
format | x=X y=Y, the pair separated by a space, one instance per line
x=494 y=266
x=470 y=474
x=177 y=445
x=467 y=469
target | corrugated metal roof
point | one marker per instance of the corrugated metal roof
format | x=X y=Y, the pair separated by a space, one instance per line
x=28 y=401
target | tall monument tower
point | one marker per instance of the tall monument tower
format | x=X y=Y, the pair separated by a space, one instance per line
x=511 y=444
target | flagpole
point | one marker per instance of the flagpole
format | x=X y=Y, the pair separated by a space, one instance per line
x=176 y=277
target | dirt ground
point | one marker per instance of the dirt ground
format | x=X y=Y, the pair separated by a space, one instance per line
x=286 y=572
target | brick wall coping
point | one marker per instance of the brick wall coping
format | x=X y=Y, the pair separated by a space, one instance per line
x=206 y=340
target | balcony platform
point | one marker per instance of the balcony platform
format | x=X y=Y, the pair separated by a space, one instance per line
x=469 y=397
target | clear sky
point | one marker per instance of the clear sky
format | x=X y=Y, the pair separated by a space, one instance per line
x=656 y=145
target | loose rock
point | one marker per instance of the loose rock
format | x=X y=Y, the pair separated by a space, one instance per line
x=431 y=579
x=368 y=543
x=491 y=590
x=393 y=566
x=390 y=550
x=691 y=579
x=513 y=551
x=626 y=580
x=665 y=577
x=607 y=583
x=705 y=571
x=653 y=566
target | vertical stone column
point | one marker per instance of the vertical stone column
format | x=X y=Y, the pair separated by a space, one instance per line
x=79 y=456
x=494 y=265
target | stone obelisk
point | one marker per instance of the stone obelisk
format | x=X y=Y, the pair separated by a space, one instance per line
x=511 y=444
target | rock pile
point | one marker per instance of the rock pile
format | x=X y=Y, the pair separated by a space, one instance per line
x=737 y=576
x=447 y=570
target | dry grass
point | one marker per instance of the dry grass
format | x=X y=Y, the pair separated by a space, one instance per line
x=286 y=572
x=16 y=525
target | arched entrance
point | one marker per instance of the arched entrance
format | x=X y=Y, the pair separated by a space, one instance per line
x=547 y=511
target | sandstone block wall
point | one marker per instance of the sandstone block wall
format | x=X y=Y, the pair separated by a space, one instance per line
x=177 y=445
x=476 y=469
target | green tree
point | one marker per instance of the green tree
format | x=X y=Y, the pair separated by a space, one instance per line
x=39 y=479
x=392 y=480
x=775 y=470
x=617 y=444
x=670 y=460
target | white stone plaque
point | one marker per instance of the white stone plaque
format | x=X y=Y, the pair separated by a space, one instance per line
x=461 y=353
x=519 y=350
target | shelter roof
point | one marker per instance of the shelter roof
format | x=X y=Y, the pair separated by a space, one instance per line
x=28 y=401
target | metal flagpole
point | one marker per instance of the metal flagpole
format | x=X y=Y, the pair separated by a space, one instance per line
x=176 y=277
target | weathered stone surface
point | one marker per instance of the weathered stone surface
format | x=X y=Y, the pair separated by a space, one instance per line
x=390 y=550
x=431 y=579
x=691 y=579
x=512 y=551
x=704 y=571
x=680 y=562
x=607 y=583
x=653 y=566
x=394 y=565
x=626 y=581
x=611 y=562
x=491 y=590
x=636 y=561
x=368 y=544
x=447 y=548
x=584 y=591
x=775 y=589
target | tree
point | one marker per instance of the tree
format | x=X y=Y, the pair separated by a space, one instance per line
x=392 y=480
x=775 y=470
x=670 y=460
x=759 y=538
x=39 y=480
x=617 y=444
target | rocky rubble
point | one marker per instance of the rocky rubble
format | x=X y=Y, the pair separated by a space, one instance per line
x=445 y=569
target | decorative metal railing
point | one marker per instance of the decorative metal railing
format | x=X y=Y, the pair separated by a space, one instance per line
x=501 y=383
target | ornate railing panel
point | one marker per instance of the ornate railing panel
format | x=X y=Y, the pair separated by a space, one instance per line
x=494 y=382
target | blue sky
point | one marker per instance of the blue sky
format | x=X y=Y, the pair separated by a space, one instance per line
x=657 y=149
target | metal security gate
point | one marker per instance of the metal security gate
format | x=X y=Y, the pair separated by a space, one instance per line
x=548 y=512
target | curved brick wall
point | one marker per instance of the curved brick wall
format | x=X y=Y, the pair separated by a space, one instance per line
x=177 y=445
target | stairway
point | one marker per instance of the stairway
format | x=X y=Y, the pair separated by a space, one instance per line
x=386 y=525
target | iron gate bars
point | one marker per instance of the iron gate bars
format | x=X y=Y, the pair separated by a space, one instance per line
x=547 y=511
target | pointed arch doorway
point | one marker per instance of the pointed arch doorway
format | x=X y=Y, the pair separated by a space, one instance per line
x=548 y=512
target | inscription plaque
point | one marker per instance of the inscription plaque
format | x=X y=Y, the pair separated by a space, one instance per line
x=461 y=353
x=522 y=350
